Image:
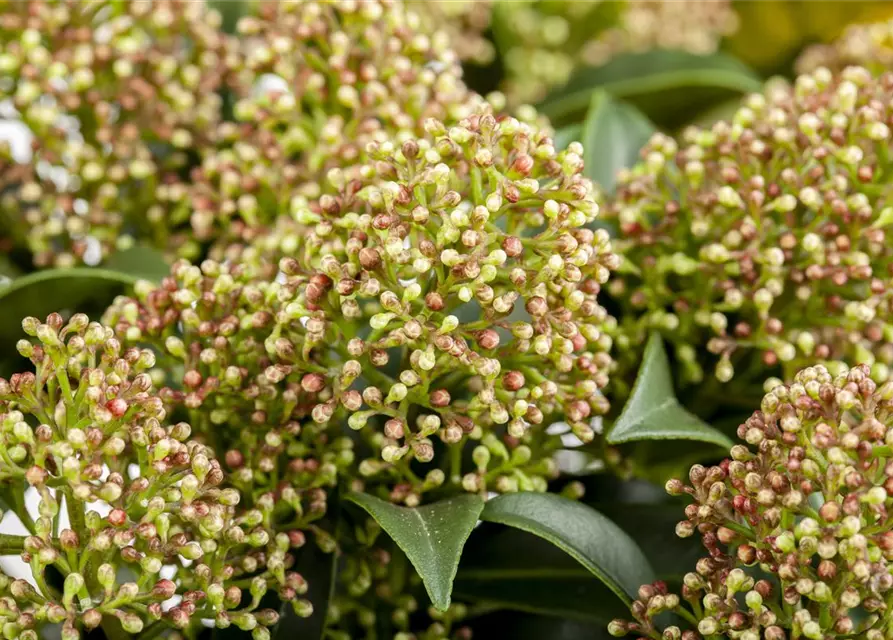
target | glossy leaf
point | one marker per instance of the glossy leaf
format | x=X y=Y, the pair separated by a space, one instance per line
x=653 y=527
x=652 y=411
x=139 y=262
x=432 y=536
x=581 y=532
x=511 y=569
x=649 y=516
x=656 y=74
x=613 y=134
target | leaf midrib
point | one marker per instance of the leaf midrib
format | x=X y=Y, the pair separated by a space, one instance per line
x=625 y=425
x=627 y=429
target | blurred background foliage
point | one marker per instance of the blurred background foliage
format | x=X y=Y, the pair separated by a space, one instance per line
x=771 y=35
x=549 y=39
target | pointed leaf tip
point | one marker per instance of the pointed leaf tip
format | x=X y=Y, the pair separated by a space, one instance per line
x=432 y=536
x=652 y=411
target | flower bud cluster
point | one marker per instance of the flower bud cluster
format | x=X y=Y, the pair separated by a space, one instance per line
x=114 y=96
x=765 y=236
x=133 y=513
x=806 y=502
x=866 y=45
x=131 y=137
x=223 y=361
x=316 y=82
x=546 y=41
x=449 y=295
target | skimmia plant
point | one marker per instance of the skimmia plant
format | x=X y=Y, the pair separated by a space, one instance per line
x=85 y=426
x=113 y=97
x=377 y=352
x=362 y=324
x=794 y=522
x=760 y=242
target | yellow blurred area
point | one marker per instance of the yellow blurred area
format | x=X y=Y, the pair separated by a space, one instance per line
x=772 y=33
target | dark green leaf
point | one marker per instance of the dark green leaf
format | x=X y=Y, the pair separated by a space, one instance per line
x=613 y=134
x=655 y=81
x=652 y=411
x=431 y=536
x=653 y=527
x=581 y=532
x=81 y=289
x=319 y=569
x=140 y=262
x=512 y=569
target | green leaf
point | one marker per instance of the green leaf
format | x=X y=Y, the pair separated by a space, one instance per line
x=652 y=411
x=656 y=81
x=511 y=569
x=581 y=532
x=613 y=134
x=81 y=289
x=431 y=536
x=653 y=527
x=139 y=261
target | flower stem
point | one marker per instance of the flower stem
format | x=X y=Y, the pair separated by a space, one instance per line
x=740 y=528
x=11 y=544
